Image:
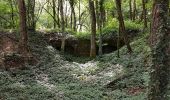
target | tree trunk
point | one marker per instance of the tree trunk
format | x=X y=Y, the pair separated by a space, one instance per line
x=71 y=20
x=30 y=15
x=54 y=13
x=79 y=16
x=58 y=14
x=118 y=43
x=104 y=16
x=23 y=30
x=98 y=20
x=160 y=36
x=66 y=20
x=62 y=26
x=134 y=10
x=130 y=9
x=144 y=13
x=73 y=14
x=122 y=25
x=93 y=29
x=97 y=14
x=12 y=14
x=101 y=22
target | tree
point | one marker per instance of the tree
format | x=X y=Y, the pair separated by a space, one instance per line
x=73 y=15
x=53 y=15
x=62 y=26
x=79 y=15
x=54 y=12
x=58 y=15
x=159 y=40
x=100 y=24
x=23 y=29
x=12 y=13
x=97 y=13
x=31 y=24
x=65 y=13
x=130 y=9
x=122 y=25
x=93 y=28
x=144 y=13
x=134 y=10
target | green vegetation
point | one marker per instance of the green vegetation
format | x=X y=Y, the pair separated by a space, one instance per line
x=55 y=78
x=84 y=49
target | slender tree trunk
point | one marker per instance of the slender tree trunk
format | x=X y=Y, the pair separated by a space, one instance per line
x=62 y=26
x=12 y=14
x=31 y=15
x=98 y=18
x=54 y=13
x=160 y=45
x=101 y=22
x=97 y=13
x=66 y=20
x=73 y=14
x=71 y=20
x=134 y=10
x=130 y=10
x=144 y=13
x=100 y=42
x=104 y=17
x=79 y=16
x=122 y=25
x=118 y=43
x=58 y=14
x=93 y=28
x=141 y=17
x=23 y=30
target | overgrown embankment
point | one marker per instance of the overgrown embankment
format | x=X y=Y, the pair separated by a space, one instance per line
x=61 y=77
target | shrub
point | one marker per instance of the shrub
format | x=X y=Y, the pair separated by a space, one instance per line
x=112 y=26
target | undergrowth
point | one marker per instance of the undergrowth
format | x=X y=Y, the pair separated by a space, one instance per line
x=52 y=78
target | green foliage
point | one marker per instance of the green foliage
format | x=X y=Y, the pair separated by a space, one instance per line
x=79 y=35
x=122 y=95
x=5 y=14
x=31 y=82
x=131 y=25
x=109 y=5
x=4 y=7
x=112 y=27
x=54 y=78
x=45 y=21
x=134 y=64
x=83 y=35
x=74 y=91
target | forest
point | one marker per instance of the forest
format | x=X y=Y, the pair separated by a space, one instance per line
x=84 y=49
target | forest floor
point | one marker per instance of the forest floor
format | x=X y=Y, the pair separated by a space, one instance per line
x=65 y=77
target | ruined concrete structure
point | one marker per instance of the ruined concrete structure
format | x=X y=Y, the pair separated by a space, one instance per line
x=81 y=46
